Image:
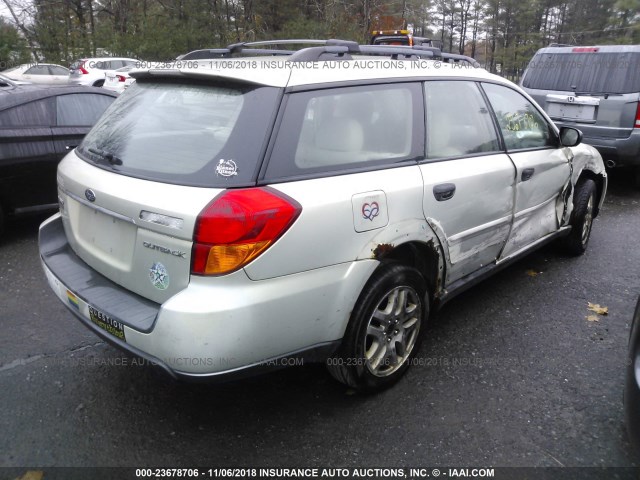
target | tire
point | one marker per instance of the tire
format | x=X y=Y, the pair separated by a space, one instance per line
x=636 y=177
x=584 y=201
x=364 y=361
x=99 y=83
x=2 y=220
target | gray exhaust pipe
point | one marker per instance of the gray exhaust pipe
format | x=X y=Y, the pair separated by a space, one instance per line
x=610 y=163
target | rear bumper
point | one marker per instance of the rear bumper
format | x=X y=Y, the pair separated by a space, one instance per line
x=217 y=327
x=623 y=151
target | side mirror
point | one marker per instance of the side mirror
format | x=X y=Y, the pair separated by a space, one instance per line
x=570 y=137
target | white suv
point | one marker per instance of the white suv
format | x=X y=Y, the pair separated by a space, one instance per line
x=91 y=71
x=224 y=218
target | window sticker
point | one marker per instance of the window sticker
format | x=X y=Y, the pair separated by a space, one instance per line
x=226 y=168
x=159 y=276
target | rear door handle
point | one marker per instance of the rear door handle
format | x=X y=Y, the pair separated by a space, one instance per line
x=527 y=173
x=444 y=191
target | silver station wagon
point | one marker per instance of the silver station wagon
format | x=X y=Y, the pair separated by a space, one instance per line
x=229 y=216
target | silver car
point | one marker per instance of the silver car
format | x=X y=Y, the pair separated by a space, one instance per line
x=237 y=216
x=91 y=71
x=595 y=89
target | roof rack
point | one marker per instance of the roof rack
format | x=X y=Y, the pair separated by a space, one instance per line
x=555 y=45
x=247 y=48
x=332 y=49
x=344 y=49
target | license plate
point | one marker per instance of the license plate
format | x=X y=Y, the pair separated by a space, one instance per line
x=106 y=323
x=111 y=79
x=572 y=111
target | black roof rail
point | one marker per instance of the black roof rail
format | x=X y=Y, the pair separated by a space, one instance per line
x=461 y=58
x=327 y=52
x=287 y=41
x=332 y=49
x=437 y=53
x=246 y=48
x=212 y=53
x=350 y=44
x=396 y=51
x=344 y=49
x=555 y=45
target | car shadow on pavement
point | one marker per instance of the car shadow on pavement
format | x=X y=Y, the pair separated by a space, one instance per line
x=22 y=228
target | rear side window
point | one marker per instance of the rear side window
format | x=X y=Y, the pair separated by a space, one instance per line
x=185 y=133
x=55 y=70
x=33 y=114
x=458 y=120
x=82 y=109
x=348 y=128
x=522 y=125
x=591 y=72
x=37 y=70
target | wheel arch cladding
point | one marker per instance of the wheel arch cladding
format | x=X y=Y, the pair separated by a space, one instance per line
x=599 y=180
x=426 y=257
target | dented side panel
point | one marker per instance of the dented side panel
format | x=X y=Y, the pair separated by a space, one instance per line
x=472 y=225
x=542 y=176
x=586 y=158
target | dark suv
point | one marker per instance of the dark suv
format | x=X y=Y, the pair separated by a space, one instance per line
x=595 y=89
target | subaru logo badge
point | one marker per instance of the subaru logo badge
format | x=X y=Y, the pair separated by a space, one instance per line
x=90 y=195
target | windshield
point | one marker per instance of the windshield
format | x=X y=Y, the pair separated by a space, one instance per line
x=591 y=72
x=188 y=134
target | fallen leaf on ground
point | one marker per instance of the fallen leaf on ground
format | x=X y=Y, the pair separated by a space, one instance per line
x=594 y=307
x=533 y=273
x=593 y=318
x=32 y=475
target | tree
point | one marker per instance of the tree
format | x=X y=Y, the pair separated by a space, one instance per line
x=502 y=31
x=13 y=48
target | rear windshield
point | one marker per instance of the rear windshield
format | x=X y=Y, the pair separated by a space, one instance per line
x=592 y=72
x=398 y=40
x=187 y=134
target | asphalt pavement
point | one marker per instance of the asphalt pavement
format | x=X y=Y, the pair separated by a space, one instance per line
x=515 y=372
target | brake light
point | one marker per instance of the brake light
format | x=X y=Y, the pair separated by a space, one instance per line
x=121 y=78
x=637 y=123
x=585 y=49
x=237 y=226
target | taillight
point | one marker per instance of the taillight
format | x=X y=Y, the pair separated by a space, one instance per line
x=82 y=69
x=237 y=226
x=121 y=78
x=637 y=123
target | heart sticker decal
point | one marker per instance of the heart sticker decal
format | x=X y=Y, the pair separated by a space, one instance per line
x=370 y=210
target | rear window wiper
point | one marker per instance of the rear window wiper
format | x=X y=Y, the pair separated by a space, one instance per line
x=108 y=156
